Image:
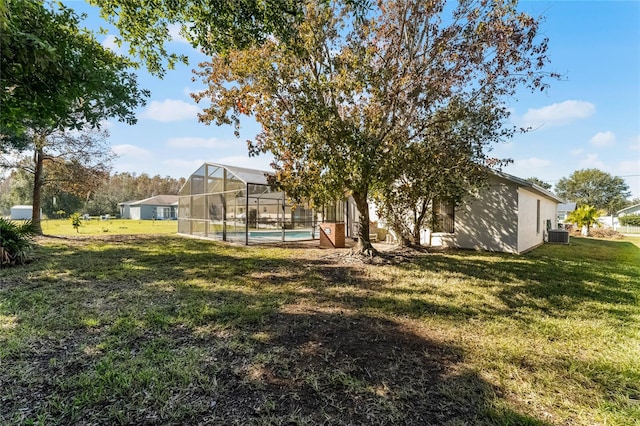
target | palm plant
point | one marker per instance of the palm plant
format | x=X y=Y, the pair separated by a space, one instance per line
x=584 y=216
x=16 y=242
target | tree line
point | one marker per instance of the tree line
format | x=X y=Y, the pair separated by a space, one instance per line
x=93 y=192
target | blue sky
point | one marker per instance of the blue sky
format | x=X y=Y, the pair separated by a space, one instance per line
x=589 y=119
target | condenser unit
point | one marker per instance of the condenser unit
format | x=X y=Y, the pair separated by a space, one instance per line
x=558 y=236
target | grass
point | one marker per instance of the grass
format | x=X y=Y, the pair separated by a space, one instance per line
x=165 y=330
x=95 y=226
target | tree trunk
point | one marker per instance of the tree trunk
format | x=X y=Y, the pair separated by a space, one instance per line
x=422 y=213
x=585 y=230
x=38 y=159
x=364 y=243
x=403 y=241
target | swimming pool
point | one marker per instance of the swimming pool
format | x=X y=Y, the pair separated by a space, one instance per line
x=278 y=234
x=267 y=235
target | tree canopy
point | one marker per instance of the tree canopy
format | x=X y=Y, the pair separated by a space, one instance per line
x=76 y=188
x=58 y=79
x=595 y=188
x=55 y=74
x=211 y=26
x=343 y=101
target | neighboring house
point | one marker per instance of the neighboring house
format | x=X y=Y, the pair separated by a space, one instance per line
x=635 y=209
x=511 y=215
x=22 y=212
x=564 y=210
x=161 y=207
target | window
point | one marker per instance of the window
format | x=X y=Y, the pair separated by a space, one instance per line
x=443 y=216
x=538 y=216
x=164 y=212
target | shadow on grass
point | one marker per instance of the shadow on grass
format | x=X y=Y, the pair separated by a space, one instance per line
x=294 y=368
x=551 y=280
x=166 y=330
x=163 y=331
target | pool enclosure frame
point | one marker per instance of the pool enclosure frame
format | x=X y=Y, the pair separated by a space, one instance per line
x=239 y=205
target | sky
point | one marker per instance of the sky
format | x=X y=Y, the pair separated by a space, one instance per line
x=590 y=118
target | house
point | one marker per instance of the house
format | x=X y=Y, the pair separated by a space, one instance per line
x=564 y=210
x=509 y=215
x=635 y=209
x=161 y=207
x=22 y=212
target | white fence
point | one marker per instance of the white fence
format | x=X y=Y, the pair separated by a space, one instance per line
x=628 y=229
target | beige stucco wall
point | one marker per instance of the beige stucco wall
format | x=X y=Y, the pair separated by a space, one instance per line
x=528 y=234
x=487 y=222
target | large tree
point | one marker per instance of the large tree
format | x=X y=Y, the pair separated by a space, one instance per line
x=56 y=79
x=595 y=188
x=346 y=97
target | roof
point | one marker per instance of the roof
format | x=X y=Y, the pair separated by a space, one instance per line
x=635 y=206
x=566 y=207
x=251 y=176
x=22 y=207
x=526 y=184
x=158 y=200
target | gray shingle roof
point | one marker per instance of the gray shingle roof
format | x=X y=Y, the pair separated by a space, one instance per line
x=158 y=200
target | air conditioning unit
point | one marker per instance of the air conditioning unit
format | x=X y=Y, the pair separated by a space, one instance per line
x=558 y=236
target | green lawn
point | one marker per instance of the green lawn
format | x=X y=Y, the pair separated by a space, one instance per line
x=166 y=330
x=95 y=226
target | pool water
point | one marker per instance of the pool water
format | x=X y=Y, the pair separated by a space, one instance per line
x=274 y=235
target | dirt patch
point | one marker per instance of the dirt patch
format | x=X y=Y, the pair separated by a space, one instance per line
x=387 y=254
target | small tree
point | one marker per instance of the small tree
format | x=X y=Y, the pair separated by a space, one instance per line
x=539 y=182
x=585 y=217
x=76 y=221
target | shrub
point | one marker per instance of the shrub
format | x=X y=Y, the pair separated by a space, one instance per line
x=630 y=220
x=16 y=242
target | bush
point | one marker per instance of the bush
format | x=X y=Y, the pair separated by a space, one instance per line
x=16 y=242
x=630 y=220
